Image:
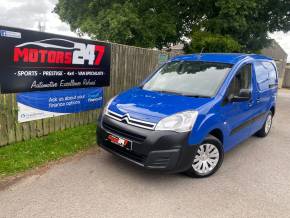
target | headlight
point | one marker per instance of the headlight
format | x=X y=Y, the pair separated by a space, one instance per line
x=180 y=122
x=106 y=107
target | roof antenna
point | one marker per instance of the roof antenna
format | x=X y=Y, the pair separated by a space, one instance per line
x=199 y=56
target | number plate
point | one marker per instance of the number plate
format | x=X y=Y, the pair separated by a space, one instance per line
x=122 y=142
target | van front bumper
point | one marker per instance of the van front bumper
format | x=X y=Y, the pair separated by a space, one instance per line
x=159 y=150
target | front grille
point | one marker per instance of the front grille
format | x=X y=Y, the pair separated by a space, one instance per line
x=124 y=133
x=126 y=153
x=131 y=121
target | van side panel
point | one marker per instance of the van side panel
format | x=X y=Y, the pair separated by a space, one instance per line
x=265 y=92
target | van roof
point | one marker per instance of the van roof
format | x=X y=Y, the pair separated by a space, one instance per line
x=230 y=58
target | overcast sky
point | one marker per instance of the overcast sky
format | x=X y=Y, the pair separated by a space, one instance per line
x=28 y=13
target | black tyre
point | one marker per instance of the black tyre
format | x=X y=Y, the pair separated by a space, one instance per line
x=265 y=130
x=207 y=158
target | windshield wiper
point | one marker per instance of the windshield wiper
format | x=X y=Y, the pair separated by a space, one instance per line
x=196 y=96
x=182 y=94
x=167 y=92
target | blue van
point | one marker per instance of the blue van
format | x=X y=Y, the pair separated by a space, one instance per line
x=190 y=111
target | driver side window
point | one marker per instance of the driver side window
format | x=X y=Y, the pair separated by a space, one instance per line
x=242 y=80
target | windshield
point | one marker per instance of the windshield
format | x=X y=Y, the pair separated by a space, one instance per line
x=189 y=78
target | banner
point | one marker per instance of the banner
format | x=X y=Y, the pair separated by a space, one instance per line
x=40 y=105
x=37 y=61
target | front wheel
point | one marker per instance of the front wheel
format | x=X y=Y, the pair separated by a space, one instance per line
x=264 y=131
x=207 y=158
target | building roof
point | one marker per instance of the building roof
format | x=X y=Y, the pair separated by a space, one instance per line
x=275 y=51
x=230 y=58
x=178 y=46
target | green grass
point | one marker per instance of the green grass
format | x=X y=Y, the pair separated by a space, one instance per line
x=26 y=155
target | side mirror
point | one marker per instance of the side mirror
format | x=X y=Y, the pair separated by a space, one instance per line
x=244 y=95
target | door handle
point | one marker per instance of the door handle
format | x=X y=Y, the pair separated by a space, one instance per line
x=251 y=103
x=274 y=85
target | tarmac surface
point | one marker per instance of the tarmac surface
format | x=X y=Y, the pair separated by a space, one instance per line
x=254 y=181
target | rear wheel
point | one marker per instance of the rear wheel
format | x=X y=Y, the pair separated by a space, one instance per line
x=207 y=158
x=264 y=131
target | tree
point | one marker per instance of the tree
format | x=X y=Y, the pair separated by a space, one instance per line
x=209 y=42
x=226 y=24
x=248 y=21
x=142 y=23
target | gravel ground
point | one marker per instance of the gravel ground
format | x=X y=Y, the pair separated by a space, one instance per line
x=254 y=181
